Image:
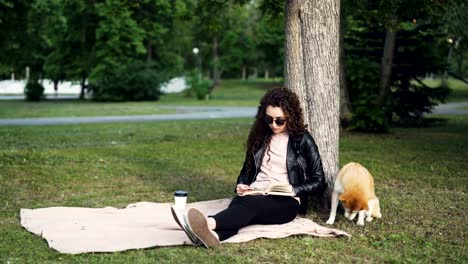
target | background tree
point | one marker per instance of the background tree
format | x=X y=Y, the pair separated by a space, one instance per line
x=454 y=23
x=13 y=26
x=269 y=29
x=372 y=45
x=78 y=47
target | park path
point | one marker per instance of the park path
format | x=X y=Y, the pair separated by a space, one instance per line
x=182 y=113
x=186 y=113
x=460 y=108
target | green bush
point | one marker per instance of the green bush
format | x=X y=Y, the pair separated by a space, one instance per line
x=367 y=117
x=135 y=82
x=200 y=88
x=34 y=91
x=409 y=105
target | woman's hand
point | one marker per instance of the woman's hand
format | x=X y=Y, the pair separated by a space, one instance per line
x=241 y=188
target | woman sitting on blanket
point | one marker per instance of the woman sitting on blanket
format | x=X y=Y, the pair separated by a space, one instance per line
x=279 y=150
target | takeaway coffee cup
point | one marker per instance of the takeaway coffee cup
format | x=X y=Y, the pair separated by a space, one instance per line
x=180 y=199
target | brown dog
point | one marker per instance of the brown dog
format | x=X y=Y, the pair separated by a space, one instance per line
x=354 y=187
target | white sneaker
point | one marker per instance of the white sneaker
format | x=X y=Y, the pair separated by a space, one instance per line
x=181 y=220
x=199 y=227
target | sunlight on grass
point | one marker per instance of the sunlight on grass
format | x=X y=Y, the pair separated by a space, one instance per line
x=458 y=89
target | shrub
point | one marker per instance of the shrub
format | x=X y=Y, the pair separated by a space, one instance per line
x=409 y=105
x=367 y=117
x=135 y=82
x=200 y=88
x=34 y=91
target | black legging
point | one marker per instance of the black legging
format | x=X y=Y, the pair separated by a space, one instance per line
x=254 y=209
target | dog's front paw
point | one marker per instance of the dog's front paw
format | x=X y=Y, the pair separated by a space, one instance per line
x=369 y=218
x=352 y=215
x=361 y=223
x=330 y=221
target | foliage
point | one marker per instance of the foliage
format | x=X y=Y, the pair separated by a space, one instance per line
x=363 y=48
x=367 y=117
x=410 y=104
x=134 y=82
x=77 y=47
x=418 y=52
x=415 y=57
x=34 y=91
x=119 y=39
x=454 y=23
x=13 y=15
x=198 y=87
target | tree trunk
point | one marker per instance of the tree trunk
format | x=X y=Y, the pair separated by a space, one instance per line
x=345 y=102
x=83 y=88
x=312 y=71
x=216 y=72
x=449 y=57
x=267 y=74
x=387 y=63
x=27 y=72
x=255 y=73
x=56 y=86
x=244 y=72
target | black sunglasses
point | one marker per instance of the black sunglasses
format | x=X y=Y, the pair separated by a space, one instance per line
x=279 y=122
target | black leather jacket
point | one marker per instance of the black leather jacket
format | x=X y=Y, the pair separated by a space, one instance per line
x=304 y=166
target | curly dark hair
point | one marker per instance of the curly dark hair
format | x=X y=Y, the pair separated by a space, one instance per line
x=260 y=133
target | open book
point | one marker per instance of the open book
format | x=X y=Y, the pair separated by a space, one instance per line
x=273 y=189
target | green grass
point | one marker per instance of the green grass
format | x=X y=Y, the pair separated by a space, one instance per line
x=70 y=108
x=420 y=176
x=458 y=89
x=230 y=93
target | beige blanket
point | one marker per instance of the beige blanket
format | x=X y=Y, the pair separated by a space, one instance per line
x=76 y=230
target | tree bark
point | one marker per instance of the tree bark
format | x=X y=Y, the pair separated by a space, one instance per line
x=56 y=86
x=255 y=73
x=449 y=57
x=387 y=64
x=312 y=71
x=244 y=72
x=216 y=72
x=267 y=74
x=83 y=88
x=293 y=61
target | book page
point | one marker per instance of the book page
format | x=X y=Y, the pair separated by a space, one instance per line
x=280 y=189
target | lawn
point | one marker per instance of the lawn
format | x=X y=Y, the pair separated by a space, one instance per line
x=458 y=89
x=421 y=177
x=230 y=93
